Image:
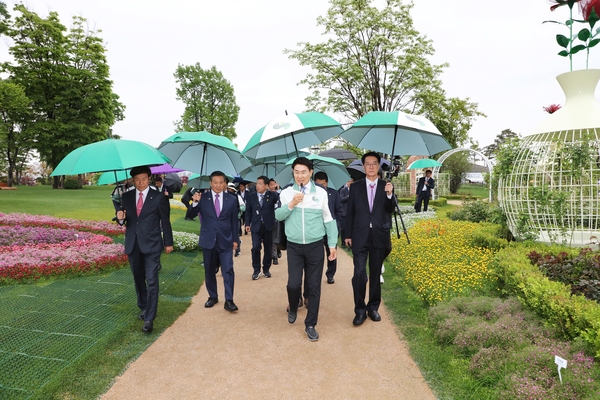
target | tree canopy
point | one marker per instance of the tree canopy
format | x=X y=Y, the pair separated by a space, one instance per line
x=375 y=60
x=209 y=100
x=65 y=75
x=15 y=142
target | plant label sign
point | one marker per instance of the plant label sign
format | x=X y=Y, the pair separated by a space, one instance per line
x=562 y=363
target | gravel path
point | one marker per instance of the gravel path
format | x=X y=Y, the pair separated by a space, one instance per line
x=256 y=354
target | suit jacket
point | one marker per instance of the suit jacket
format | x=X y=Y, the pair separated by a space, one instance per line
x=254 y=211
x=430 y=185
x=165 y=189
x=146 y=228
x=222 y=231
x=358 y=220
x=344 y=195
x=245 y=197
x=335 y=207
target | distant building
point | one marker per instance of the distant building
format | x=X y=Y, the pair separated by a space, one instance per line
x=475 y=174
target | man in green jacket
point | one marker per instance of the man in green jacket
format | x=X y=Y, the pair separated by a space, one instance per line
x=305 y=210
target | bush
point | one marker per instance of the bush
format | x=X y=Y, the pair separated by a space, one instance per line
x=72 y=183
x=473 y=211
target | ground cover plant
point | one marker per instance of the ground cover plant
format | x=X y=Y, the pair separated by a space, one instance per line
x=440 y=262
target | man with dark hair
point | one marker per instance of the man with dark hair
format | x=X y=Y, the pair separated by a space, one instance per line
x=144 y=210
x=367 y=231
x=158 y=181
x=243 y=193
x=305 y=209
x=260 y=219
x=219 y=237
x=424 y=187
x=335 y=209
x=275 y=252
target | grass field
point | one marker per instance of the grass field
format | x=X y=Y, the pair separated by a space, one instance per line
x=112 y=337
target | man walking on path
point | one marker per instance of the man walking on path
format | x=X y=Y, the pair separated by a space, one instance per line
x=305 y=209
x=367 y=231
x=335 y=209
x=260 y=219
x=144 y=210
x=219 y=237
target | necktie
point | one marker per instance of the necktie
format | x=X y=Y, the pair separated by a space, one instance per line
x=140 y=204
x=372 y=186
x=260 y=201
x=217 y=206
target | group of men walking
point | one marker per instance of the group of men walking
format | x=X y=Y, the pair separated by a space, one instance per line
x=314 y=216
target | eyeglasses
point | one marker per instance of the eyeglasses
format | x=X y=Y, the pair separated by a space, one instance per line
x=303 y=172
x=371 y=165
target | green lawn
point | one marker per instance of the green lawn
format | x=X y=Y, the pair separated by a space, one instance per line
x=104 y=335
x=475 y=190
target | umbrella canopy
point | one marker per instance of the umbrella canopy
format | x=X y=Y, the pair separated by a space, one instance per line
x=339 y=154
x=108 y=178
x=335 y=170
x=173 y=181
x=270 y=166
x=109 y=155
x=396 y=133
x=204 y=152
x=424 y=163
x=164 y=169
x=357 y=171
x=288 y=134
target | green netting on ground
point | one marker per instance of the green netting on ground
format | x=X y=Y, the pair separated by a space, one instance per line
x=43 y=329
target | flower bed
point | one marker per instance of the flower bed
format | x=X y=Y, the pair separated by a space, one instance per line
x=440 y=262
x=31 y=252
x=100 y=227
x=184 y=241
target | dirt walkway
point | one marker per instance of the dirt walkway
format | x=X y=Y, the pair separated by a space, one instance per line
x=256 y=354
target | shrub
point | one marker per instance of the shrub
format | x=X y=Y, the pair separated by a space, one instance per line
x=72 y=183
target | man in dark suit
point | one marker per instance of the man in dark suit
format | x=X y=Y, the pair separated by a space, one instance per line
x=162 y=187
x=243 y=193
x=219 y=236
x=335 y=209
x=186 y=199
x=144 y=211
x=424 y=187
x=344 y=195
x=260 y=219
x=367 y=230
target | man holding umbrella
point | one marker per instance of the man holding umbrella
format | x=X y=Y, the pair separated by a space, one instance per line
x=143 y=211
x=424 y=187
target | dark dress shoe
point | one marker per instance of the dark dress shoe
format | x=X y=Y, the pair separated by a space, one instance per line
x=278 y=253
x=330 y=281
x=237 y=253
x=275 y=261
x=211 y=302
x=292 y=316
x=142 y=315
x=267 y=274
x=148 y=326
x=255 y=276
x=230 y=305
x=359 y=319
x=374 y=315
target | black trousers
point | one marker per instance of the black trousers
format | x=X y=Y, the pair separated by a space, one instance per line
x=359 y=280
x=331 y=265
x=307 y=259
x=423 y=198
x=263 y=238
x=144 y=268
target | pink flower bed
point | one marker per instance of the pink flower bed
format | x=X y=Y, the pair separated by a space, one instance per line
x=101 y=227
x=29 y=253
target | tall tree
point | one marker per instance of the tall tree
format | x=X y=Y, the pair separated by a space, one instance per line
x=209 y=101
x=15 y=142
x=66 y=76
x=375 y=60
x=504 y=137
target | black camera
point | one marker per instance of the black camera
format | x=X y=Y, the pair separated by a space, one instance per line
x=195 y=190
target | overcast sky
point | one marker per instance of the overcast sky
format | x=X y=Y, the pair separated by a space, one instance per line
x=500 y=56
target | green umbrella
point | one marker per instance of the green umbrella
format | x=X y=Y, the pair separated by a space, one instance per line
x=204 y=152
x=396 y=133
x=108 y=178
x=424 y=163
x=335 y=170
x=269 y=166
x=288 y=134
x=109 y=155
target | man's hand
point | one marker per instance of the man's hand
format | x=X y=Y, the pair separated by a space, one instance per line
x=197 y=196
x=168 y=249
x=348 y=242
x=389 y=188
x=332 y=254
x=166 y=194
x=121 y=215
x=235 y=246
x=247 y=229
x=297 y=199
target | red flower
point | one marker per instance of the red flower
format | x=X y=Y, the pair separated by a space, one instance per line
x=560 y=3
x=552 y=108
x=586 y=7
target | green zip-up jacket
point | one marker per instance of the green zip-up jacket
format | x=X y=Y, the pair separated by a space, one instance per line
x=310 y=220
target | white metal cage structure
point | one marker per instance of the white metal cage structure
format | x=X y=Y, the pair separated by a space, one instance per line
x=554 y=188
